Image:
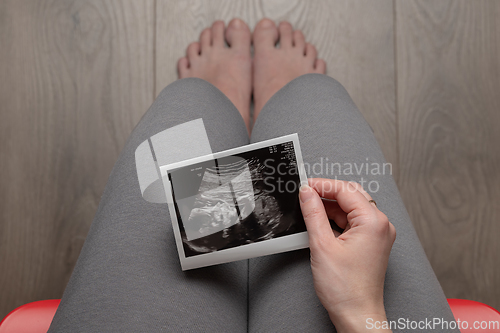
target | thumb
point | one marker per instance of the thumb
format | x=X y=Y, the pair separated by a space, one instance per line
x=317 y=223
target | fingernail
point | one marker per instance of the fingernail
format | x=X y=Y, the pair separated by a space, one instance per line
x=305 y=193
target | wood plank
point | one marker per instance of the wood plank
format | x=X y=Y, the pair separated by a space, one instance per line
x=448 y=74
x=76 y=78
x=354 y=37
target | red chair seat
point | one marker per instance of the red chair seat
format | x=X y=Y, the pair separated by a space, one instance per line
x=471 y=313
x=34 y=317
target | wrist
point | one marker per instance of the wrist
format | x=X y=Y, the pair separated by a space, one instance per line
x=361 y=321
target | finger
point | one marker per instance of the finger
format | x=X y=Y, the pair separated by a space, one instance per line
x=366 y=194
x=352 y=202
x=334 y=212
x=360 y=188
x=349 y=195
x=318 y=226
x=392 y=233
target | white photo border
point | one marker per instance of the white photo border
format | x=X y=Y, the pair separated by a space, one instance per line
x=271 y=246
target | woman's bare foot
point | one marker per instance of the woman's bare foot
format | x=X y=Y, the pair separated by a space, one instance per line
x=229 y=69
x=275 y=67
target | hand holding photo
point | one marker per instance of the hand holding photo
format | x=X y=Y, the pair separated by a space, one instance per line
x=237 y=204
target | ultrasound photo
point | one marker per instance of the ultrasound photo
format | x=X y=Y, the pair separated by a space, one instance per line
x=239 y=198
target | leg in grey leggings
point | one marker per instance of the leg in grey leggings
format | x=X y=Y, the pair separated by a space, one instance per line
x=128 y=276
x=332 y=130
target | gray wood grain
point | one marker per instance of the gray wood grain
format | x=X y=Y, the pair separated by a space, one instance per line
x=448 y=70
x=76 y=78
x=360 y=55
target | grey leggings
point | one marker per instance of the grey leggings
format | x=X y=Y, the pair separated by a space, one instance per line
x=128 y=277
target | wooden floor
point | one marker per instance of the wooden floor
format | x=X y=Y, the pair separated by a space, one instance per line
x=76 y=76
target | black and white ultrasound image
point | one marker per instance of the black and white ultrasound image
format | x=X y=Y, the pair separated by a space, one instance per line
x=239 y=199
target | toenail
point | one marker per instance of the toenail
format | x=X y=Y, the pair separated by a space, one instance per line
x=237 y=23
x=266 y=23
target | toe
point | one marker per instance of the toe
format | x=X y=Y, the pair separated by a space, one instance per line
x=182 y=67
x=238 y=35
x=205 y=39
x=311 y=52
x=299 y=41
x=218 y=33
x=265 y=34
x=285 y=30
x=320 y=66
x=193 y=50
